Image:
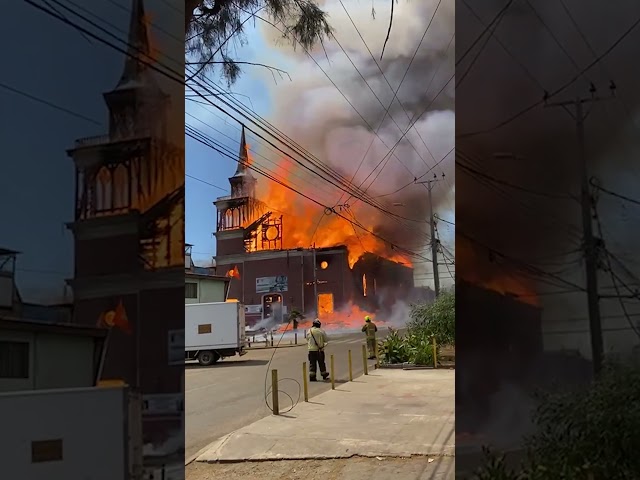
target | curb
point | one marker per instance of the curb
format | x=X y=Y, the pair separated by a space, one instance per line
x=410 y=366
x=276 y=346
x=326 y=457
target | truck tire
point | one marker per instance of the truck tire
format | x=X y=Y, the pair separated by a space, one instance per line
x=207 y=357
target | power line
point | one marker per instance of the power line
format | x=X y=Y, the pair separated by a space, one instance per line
x=555 y=39
x=205 y=182
x=165 y=73
x=613 y=276
x=557 y=91
x=198 y=136
x=486 y=29
x=385 y=77
x=484 y=45
x=49 y=104
x=614 y=194
x=514 y=186
x=178 y=78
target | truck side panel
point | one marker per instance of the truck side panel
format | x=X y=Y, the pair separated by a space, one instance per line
x=39 y=442
x=211 y=326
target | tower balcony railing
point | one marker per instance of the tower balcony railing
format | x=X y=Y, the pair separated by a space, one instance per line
x=94 y=140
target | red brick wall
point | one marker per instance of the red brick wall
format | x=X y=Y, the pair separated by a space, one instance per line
x=230 y=246
x=104 y=256
x=337 y=275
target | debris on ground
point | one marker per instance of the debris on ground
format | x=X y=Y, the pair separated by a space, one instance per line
x=356 y=468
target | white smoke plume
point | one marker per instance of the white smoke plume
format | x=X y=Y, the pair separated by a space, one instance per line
x=313 y=112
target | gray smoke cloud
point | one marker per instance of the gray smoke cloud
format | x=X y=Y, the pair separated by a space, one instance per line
x=540 y=228
x=314 y=113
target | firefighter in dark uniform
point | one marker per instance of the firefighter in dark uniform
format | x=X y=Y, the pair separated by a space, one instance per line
x=370 y=329
x=316 y=341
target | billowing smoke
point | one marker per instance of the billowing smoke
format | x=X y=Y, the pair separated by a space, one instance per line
x=542 y=228
x=313 y=112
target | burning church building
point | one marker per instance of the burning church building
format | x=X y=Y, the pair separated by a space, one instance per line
x=275 y=270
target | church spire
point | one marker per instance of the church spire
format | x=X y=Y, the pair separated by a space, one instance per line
x=243 y=156
x=139 y=47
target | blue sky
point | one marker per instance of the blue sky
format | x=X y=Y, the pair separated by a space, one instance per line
x=55 y=63
x=208 y=166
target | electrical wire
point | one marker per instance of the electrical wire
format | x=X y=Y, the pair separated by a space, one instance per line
x=486 y=29
x=50 y=104
x=163 y=72
x=558 y=196
x=269 y=390
x=558 y=90
x=482 y=47
x=198 y=136
x=613 y=194
x=168 y=74
x=613 y=276
x=385 y=77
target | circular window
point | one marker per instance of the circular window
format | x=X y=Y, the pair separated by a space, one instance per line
x=324 y=265
x=272 y=233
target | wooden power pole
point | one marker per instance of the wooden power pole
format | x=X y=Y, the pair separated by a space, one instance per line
x=590 y=243
x=434 y=241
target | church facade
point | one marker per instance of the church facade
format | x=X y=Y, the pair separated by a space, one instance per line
x=128 y=232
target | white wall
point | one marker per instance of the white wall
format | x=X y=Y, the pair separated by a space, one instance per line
x=55 y=361
x=90 y=422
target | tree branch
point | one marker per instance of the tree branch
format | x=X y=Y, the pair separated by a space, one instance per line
x=231 y=35
x=244 y=63
x=388 y=31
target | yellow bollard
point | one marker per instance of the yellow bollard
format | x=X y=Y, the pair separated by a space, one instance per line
x=435 y=354
x=364 y=359
x=333 y=375
x=274 y=392
x=350 y=368
x=376 y=353
x=305 y=380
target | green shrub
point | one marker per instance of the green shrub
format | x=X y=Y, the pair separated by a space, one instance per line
x=436 y=319
x=416 y=348
x=394 y=348
x=590 y=431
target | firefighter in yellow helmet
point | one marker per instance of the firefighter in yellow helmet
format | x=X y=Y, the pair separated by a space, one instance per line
x=370 y=329
x=317 y=340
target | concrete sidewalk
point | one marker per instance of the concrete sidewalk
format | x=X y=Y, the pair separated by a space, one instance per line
x=389 y=413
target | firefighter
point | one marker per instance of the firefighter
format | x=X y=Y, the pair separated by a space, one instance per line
x=317 y=339
x=370 y=329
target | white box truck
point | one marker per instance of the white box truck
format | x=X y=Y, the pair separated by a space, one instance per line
x=213 y=331
x=67 y=433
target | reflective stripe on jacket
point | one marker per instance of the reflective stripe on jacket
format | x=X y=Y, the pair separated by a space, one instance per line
x=316 y=339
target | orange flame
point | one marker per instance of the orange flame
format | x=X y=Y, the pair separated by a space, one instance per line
x=479 y=270
x=349 y=317
x=234 y=272
x=306 y=224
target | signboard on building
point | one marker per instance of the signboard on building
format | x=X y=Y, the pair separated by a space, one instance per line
x=253 y=309
x=163 y=404
x=176 y=347
x=272 y=284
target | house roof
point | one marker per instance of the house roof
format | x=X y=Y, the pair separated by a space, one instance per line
x=206 y=276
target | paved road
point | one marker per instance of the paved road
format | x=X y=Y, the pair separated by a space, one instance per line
x=231 y=394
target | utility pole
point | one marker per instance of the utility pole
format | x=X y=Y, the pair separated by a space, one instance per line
x=315 y=280
x=434 y=242
x=590 y=242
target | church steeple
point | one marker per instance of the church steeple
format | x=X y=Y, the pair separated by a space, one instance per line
x=137 y=105
x=243 y=183
x=139 y=47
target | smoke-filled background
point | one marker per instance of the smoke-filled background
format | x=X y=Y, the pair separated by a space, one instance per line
x=314 y=109
x=519 y=228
